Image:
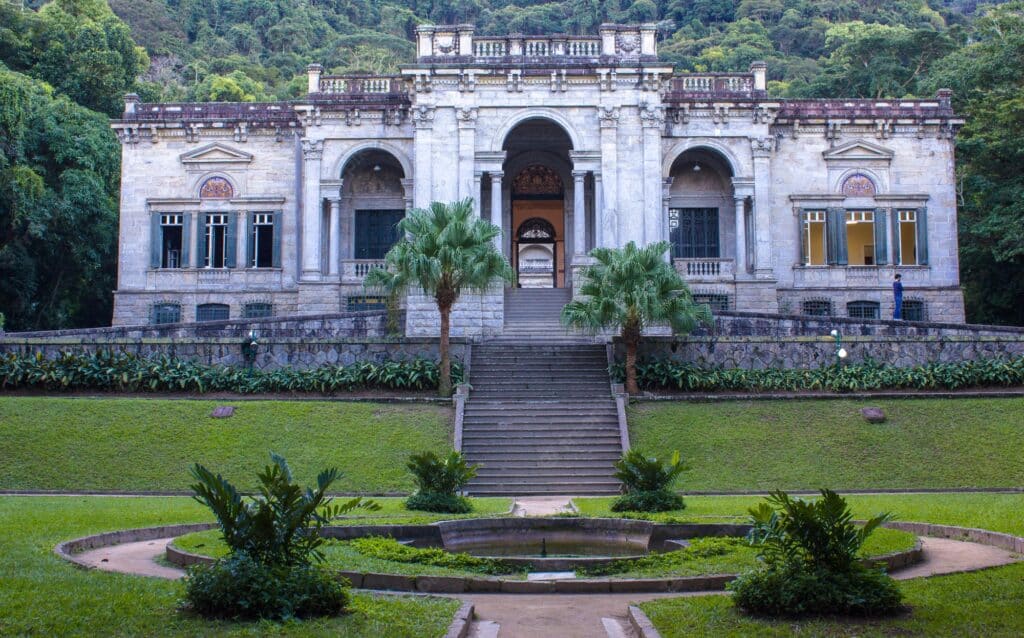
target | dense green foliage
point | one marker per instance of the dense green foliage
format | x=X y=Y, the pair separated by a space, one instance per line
x=392 y=550
x=439 y=481
x=648 y=481
x=443 y=251
x=811 y=561
x=631 y=288
x=924 y=443
x=49 y=443
x=124 y=372
x=44 y=596
x=687 y=377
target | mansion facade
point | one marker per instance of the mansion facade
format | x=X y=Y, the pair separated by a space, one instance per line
x=565 y=142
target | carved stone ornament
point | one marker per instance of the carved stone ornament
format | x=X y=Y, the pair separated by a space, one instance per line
x=628 y=43
x=466 y=114
x=423 y=116
x=652 y=116
x=858 y=185
x=608 y=116
x=762 y=146
x=537 y=180
x=216 y=188
x=536 y=229
x=312 y=149
x=445 y=43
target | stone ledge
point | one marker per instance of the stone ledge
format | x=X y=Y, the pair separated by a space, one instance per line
x=460 y=624
x=641 y=624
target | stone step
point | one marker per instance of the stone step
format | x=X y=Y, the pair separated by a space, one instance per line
x=605 y=466
x=556 y=486
x=547 y=451
x=525 y=426
x=539 y=438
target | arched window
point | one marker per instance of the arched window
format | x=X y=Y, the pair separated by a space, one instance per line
x=216 y=188
x=816 y=307
x=212 y=312
x=166 y=313
x=257 y=310
x=536 y=230
x=862 y=310
x=717 y=302
x=858 y=185
x=914 y=310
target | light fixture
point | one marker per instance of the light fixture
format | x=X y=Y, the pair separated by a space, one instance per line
x=842 y=353
x=696 y=167
x=376 y=168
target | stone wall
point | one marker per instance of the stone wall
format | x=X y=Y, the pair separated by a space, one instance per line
x=751 y=340
x=302 y=342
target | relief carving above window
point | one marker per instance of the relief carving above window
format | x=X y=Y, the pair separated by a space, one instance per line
x=216 y=188
x=537 y=180
x=858 y=185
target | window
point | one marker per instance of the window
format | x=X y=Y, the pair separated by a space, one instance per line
x=257 y=310
x=862 y=310
x=355 y=304
x=166 y=313
x=717 y=303
x=913 y=310
x=812 y=238
x=816 y=307
x=212 y=312
x=906 y=231
x=215 y=242
x=376 y=232
x=860 y=237
x=693 y=233
x=262 y=246
x=169 y=239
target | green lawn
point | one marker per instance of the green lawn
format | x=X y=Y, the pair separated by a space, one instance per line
x=985 y=603
x=996 y=512
x=43 y=595
x=51 y=443
x=763 y=445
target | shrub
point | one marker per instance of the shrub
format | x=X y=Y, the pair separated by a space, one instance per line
x=870 y=375
x=390 y=549
x=811 y=561
x=648 y=483
x=280 y=525
x=239 y=587
x=123 y=372
x=438 y=482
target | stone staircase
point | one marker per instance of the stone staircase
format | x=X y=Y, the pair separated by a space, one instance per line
x=533 y=313
x=540 y=418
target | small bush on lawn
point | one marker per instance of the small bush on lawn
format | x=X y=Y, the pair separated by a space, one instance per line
x=439 y=481
x=390 y=549
x=648 y=483
x=870 y=375
x=238 y=587
x=811 y=561
x=274 y=538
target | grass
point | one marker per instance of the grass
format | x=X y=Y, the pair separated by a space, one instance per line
x=755 y=445
x=75 y=443
x=43 y=595
x=985 y=603
x=996 y=512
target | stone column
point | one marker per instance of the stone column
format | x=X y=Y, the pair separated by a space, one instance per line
x=312 y=153
x=423 y=120
x=762 y=150
x=241 y=240
x=609 y=121
x=334 y=235
x=598 y=210
x=652 y=118
x=579 y=213
x=741 y=235
x=408 y=187
x=466 y=118
x=666 y=197
x=496 y=205
x=478 y=205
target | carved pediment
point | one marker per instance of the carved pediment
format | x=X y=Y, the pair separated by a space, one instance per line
x=216 y=154
x=860 y=151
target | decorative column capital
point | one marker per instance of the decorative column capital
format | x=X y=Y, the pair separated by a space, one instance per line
x=312 y=150
x=466 y=116
x=652 y=116
x=579 y=176
x=608 y=116
x=762 y=146
x=496 y=176
x=423 y=116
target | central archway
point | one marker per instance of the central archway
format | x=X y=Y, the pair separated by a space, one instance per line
x=538 y=173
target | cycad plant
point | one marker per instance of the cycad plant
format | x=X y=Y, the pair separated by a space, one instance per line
x=647 y=482
x=438 y=482
x=444 y=251
x=631 y=288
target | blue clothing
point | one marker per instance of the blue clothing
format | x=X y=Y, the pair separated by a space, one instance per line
x=897 y=294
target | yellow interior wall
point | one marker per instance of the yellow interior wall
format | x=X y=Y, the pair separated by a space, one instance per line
x=817 y=243
x=908 y=243
x=858 y=237
x=550 y=210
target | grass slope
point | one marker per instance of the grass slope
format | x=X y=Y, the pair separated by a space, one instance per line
x=42 y=595
x=809 y=444
x=985 y=603
x=149 y=444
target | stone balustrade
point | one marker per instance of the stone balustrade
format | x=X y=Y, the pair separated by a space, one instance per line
x=354 y=271
x=859 y=276
x=537 y=47
x=360 y=85
x=689 y=85
x=710 y=269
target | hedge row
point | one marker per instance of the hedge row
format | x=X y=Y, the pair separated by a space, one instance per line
x=676 y=375
x=122 y=372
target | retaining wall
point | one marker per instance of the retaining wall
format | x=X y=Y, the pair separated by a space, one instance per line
x=752 y=340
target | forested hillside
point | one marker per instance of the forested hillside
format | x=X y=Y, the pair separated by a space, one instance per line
x=68 y=61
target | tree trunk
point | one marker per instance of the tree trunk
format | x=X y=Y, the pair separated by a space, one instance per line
x=631 y=386
x=444 y=377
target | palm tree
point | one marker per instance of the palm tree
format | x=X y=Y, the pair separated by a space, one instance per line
x=628 y=289
x=444 y=251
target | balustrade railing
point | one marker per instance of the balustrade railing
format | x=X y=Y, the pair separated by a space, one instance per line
x=355 y=270
x=712 y=84
x=705 y=269
x=345 y=84
x=573 y=47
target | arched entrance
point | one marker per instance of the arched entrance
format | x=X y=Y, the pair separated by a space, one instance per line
x=373 y=201
x=538 y=174
x=702 y=212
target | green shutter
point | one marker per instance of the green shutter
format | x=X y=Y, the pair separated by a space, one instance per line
x=156 y=238
x=201 y=242
x=897 y=255
x=250 y=248
x=801 y=231
x=881 y=243
x=276 y=254
x=835 y=226
x=186 y=240
x=922 y=236
x=231 y=239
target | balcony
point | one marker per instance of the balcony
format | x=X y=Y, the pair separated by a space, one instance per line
x=353 y=271
x=213 y=278
x=536 y=47
x=707 y=85
x=705 y=270
x=858 y=276
x=361 y=85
